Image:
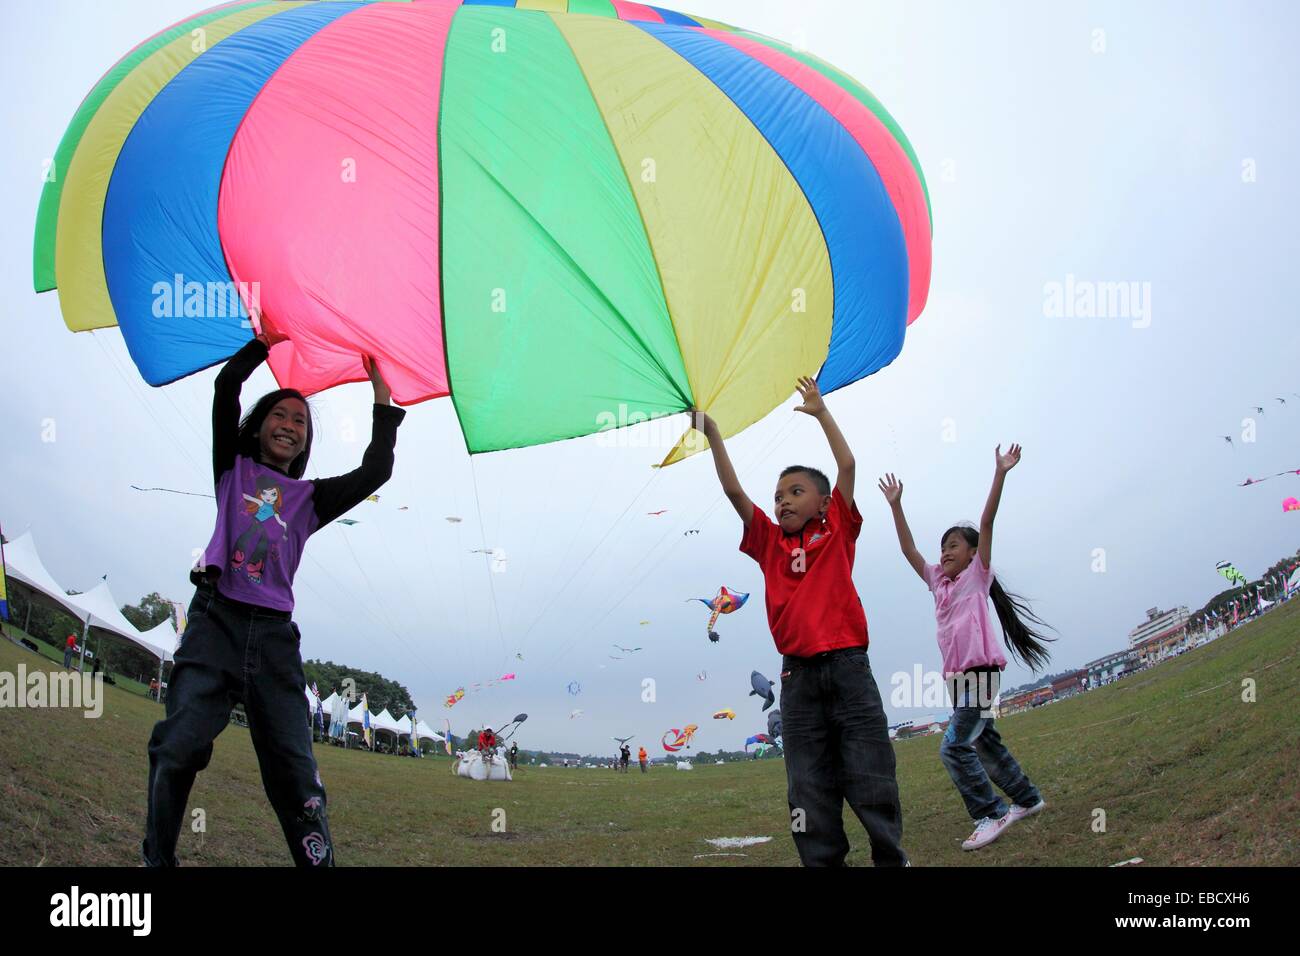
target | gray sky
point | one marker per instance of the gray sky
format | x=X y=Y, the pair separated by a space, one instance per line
x=1045 y=159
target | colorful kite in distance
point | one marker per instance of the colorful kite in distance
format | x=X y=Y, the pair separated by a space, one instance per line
x=1255 y=481
x=757 y=739
x=1291 y=504
x=726 y=714
x=374 y=498
x=454 y=697
x=674 y=740
x=762 y=688
x=1232 y=574
x=724 y=602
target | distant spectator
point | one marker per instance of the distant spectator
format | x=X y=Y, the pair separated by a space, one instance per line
x=69 y=648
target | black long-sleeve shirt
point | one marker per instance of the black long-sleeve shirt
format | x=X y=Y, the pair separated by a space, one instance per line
x=264 y=517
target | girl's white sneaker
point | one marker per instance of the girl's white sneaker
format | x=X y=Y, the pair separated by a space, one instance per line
x=1018 y=812
x=986 y=831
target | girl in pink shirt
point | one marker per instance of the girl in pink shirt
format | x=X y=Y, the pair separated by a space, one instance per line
x=963 y=583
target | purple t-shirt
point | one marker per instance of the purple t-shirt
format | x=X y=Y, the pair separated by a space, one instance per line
x=264 y=518
x=961 y=608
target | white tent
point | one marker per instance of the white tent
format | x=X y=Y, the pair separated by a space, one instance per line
x=385 y=721
x=164 y=636
x=427 y=732
x=99 y=609
x=23 y=564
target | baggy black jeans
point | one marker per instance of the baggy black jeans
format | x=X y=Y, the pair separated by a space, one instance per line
x=233 y=652
x=837 y=748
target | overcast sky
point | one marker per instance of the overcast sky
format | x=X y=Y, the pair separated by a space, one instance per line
x=1160 y=151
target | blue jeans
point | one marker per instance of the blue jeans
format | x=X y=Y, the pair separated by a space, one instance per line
x=232 y=652
x=837 y=748
x=976 y=758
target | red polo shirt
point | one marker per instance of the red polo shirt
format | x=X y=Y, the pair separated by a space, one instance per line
x=812 y=605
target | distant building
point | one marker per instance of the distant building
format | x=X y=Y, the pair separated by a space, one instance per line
x=1111 y=667
x=921 y=728
x=1069 y=685
x=1162 y=634
x=1024 y=700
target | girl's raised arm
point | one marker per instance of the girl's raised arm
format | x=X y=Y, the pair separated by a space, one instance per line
x=1004 y=464
x=892 y=489
x=225 y=404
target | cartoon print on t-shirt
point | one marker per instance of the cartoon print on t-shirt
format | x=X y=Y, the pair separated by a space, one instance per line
x=252 y=546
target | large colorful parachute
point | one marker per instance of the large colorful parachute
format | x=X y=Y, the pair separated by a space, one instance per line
x=625 y=210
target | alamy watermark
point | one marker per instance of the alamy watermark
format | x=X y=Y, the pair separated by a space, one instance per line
x=1085 y=299
x=40 y=688
x=932 y=689
x=206 y=300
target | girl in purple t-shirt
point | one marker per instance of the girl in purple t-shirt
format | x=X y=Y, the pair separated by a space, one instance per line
x=963 y=583
x=240 y=643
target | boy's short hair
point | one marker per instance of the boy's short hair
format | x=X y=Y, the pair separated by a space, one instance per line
x=819 y=477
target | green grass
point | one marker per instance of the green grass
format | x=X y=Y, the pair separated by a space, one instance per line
x=1186 y=772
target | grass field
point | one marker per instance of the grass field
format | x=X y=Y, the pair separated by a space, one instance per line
x=1185 y=771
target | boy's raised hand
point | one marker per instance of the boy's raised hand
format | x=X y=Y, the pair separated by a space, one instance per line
x=1009 y=460
x=891 y=488
x=702 y=422
x=813 y=403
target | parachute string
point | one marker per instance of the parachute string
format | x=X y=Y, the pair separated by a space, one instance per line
x=556 y=595
x=492 y=588
x=764 y=452
x=182 y=446
x=384 y=619
x=572 y=539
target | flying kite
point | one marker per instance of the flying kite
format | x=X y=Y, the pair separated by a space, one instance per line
x=574 y=714
x=644 y=623
x=227 y=165
x=454 y=697
x=674 y=740
x=1228 y=439
x=374 y=498
x=575 y=688
x=498 y=556
x=347 y=521
x=1258 y=410
x=452 y=519
x=727 y=714
x=1231 y=573
x=622 y=740
x=692 y=531
x=1280 y=474
x=757 y=739
x=627 y=650
x=702 y=675
x=1291 y=504
x=724 y=602
x=762 y=688
x=656 y=514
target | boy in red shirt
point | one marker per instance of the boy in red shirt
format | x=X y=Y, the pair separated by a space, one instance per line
x=836 y=737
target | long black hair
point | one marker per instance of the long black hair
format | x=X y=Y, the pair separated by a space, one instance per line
x=249 y=442
x=1014 y=613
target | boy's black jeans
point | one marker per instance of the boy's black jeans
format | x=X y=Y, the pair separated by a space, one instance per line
x=234 y=652
x=837 y=748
